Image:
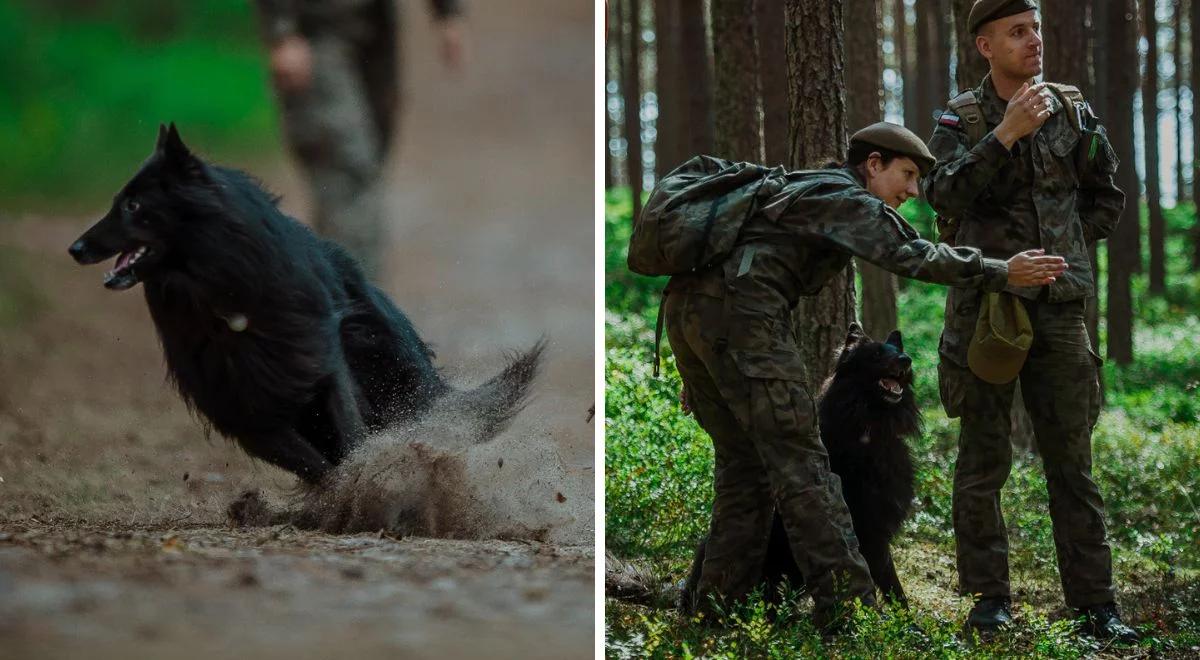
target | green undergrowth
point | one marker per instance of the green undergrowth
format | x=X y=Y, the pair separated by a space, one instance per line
x=658 y=480
x=85 y=86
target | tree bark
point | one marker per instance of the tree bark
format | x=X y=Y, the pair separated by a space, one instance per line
x=815 y=54
x=1121 y=81
x=907 y=65
x=971 y=66
x=864 y=106
x=772 y=55
x=1158 y=284
x=696 y=63
x=1195 y=86
x=1180 y=183
x=737 y=101
x=668 y=87
x=630 y=63
x=933 y=62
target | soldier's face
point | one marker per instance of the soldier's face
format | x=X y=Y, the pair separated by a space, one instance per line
x=894 y=182
x=1013 y=45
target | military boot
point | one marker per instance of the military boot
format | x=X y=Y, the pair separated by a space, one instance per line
x=1104 y=622
x=989 y=615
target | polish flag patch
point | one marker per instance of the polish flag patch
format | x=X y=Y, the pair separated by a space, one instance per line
x=949 y=119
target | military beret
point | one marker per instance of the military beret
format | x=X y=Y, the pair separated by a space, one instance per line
x=1003 y=335
x=898 y=139
x=984 y=11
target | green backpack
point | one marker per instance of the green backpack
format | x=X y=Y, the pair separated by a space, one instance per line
x=693 y=216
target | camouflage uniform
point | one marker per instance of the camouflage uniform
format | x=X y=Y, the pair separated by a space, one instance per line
x=341 y=125
x=731 y=333
x=1043 y=196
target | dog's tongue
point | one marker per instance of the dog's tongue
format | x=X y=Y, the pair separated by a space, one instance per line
x=123 y=260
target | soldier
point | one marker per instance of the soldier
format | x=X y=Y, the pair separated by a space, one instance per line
x=334 y=65
x=1024 y=165
x=730 y=330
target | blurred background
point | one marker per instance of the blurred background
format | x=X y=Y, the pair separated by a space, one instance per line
x=490 y=224
x=735 y=80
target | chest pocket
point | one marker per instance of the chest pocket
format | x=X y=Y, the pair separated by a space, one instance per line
x=1062 y=143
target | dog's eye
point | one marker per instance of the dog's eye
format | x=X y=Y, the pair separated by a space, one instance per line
x=131 y=206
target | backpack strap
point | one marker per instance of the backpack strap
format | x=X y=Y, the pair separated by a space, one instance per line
x=966 y=106
x=1073 y=103
x=1082 y=119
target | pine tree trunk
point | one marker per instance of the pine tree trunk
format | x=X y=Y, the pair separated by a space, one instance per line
x=971 y=66
x=737 y=102
x=772 y=56
x=1180 y=184
x=864 y=101
x=630 y=37
x=815 y=54
x=696 y=63
x=1158 y=285
x=1121 y=81
x=907 y=64
x=1195 y=86
x=933 y=62
x=669 y=77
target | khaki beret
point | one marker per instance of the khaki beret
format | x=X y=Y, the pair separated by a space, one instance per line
x=984 y=11
x=1003 y=335
x=898 y=139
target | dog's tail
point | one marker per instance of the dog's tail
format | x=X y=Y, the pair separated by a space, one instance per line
x=495 y=402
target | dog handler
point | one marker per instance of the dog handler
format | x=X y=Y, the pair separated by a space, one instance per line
x=730 y=330
x=1022 y=165
x=334 y=64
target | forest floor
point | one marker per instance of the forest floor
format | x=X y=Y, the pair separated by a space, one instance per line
x=113 y=537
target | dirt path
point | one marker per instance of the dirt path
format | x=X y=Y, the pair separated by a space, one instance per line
x=112 y=533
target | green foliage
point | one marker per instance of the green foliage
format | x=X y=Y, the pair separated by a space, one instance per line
x=84 y=91
x=658 y=474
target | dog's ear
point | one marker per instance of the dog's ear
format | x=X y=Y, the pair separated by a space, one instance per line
x=896 y=340
x=174 y=152
x=854 y=334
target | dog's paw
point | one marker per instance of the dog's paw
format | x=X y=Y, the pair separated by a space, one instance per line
x=250 y=510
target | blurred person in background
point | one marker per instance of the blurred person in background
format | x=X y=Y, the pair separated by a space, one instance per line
x=335 y=67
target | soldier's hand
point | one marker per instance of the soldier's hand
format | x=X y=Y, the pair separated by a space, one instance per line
x=1028 y=109
x=453 y=43
x=291 y=64
x=1035 y=268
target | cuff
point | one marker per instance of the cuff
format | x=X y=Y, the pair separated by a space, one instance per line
x=995 y=274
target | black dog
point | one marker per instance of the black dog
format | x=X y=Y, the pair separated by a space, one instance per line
x=865 y=412
x=271 y=333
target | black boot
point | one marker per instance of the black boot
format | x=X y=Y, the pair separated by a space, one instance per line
x=989 y=615
x=1104 y=622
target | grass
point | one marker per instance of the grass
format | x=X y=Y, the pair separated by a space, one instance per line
x=86 y=85
x=658 y=475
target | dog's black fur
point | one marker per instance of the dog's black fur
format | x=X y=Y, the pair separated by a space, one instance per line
x=271 y=333
x=863 y=425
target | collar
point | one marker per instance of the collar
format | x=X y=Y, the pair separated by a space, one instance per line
x=990 y=103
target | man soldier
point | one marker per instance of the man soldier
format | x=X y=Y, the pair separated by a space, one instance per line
x=730 y=329
x=334 y=66
x=1024 y=165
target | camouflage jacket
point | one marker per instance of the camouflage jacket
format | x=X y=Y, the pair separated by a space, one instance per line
x=1035 y=196
x=805 y=229
x=351 y=18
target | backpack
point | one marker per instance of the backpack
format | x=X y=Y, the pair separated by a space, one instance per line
x=693 y=216
x=1079 y=113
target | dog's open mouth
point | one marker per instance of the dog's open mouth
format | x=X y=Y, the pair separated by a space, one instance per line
x=892 y=389
x=122 y=275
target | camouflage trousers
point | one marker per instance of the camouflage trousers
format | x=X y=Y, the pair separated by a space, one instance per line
x=753 y=402
x=1060 y=388
x=336 y=137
